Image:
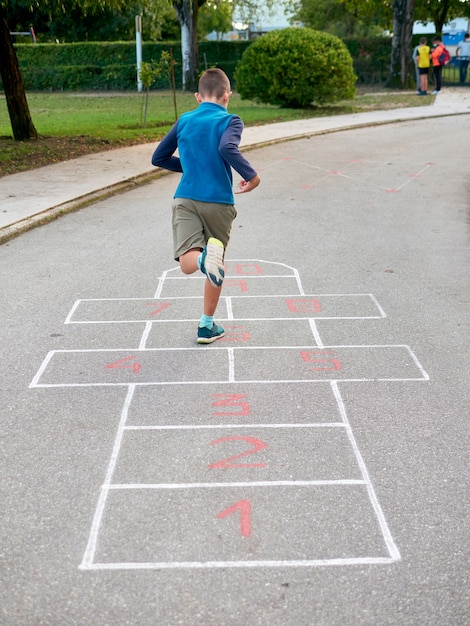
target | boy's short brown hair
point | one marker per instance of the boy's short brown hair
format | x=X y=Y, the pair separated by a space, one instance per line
x=214 y=83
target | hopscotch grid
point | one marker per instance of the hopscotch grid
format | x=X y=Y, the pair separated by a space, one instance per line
x=327 y=172
x=88 y=559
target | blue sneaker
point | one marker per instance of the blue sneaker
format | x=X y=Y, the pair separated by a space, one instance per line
x=212 y=262
x=208 y=335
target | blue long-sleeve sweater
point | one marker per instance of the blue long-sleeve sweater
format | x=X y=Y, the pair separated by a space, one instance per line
x=207 y=141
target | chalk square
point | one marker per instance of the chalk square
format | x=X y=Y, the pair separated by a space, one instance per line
x=124 y=367
x=327 y=363
x=213 y=455
x=306 y=307
x=152 y=526
x=266 y=403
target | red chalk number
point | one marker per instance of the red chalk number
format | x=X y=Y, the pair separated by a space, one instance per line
x=244 y=506
x=228 y=463
x=123 y=364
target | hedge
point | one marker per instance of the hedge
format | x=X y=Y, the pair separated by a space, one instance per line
x=112 y=65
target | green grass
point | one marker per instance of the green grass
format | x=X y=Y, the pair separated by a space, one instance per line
x=71 y=124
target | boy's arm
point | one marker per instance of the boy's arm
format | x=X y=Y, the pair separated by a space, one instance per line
x=229 y=151
x=163 y=155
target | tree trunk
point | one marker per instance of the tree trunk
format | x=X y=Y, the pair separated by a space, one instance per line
x=18 y=109
x=401 y=42
x=184 y=12
x=187 y=12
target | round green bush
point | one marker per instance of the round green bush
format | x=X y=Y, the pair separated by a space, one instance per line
x=295 y=67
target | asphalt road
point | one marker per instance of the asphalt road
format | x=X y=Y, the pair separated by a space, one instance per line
x=309 y=469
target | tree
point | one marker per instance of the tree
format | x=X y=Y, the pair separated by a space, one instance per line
x=337 y=17
x=401 y=42
x=215 y=17
x=18 y=109
x=440 y=12
x=49 y=10
x=187 y=12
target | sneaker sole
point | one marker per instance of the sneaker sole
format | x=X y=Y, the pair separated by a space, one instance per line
x=214 y=262
x=209 y=339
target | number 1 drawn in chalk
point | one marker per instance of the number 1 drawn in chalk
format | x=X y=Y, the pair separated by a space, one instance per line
x=244 y=506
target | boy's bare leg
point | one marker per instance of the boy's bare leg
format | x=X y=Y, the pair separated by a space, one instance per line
x=188 y=264
x=211 y=298
x=188 y=261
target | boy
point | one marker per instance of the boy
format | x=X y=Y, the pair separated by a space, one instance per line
x=422 y=55
x=207 y=140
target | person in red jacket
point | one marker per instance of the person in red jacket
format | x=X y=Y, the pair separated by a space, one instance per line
x=437 y=50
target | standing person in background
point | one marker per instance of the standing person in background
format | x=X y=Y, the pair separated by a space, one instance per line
x=423 y=62
x=207 y=141
x=463 y=54
x=414 y=56
x=437 y=50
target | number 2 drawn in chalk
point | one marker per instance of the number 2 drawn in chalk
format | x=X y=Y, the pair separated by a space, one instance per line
x=228 y=462
x=244 y=506
x=121 y=364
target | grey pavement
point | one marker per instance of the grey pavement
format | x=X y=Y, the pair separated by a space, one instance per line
x=309 y=469
x=32 y=197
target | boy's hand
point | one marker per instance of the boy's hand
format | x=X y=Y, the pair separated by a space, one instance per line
x=245 y=186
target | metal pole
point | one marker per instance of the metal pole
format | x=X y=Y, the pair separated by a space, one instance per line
x=138 y=48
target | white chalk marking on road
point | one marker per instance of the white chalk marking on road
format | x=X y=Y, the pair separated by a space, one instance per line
x=240 y=564
x=392 y=548
x=97 y=518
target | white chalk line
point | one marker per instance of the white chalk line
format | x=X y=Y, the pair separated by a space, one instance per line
x=230 y=485
x=229 y=318
x=392 y=548
x=230 y=382
x=241 y=564
x=90 y=550
x=232 y=426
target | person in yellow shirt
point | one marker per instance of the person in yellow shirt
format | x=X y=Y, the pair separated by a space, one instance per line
x=422 y=55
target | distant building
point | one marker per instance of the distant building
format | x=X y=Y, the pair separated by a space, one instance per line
x=266 y=21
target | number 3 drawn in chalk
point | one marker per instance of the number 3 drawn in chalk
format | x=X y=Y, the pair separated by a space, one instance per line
x=245 y=515
x=228 y=463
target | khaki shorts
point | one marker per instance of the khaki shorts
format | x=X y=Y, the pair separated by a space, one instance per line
x=194 y=222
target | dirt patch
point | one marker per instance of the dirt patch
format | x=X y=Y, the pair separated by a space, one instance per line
x=27 y=155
